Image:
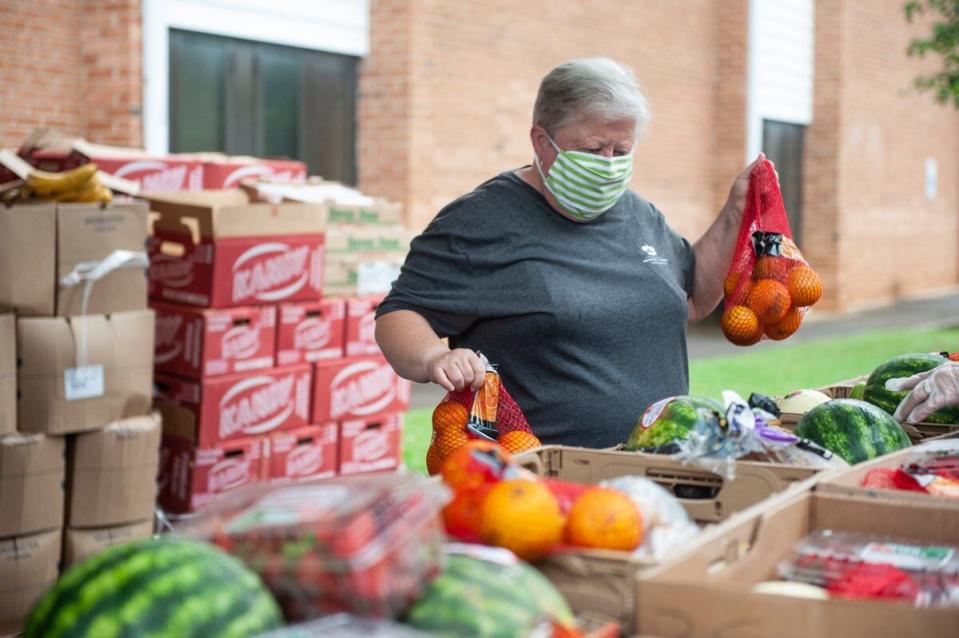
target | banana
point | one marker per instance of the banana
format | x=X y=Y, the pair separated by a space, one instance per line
x=99 y=194
x=87 y=188
x=44 y=183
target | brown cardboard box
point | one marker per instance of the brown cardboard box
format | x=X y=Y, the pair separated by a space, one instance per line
x=40 y=243
x=599 y=584
x=8 y=374
x=32 y=469
x=849 y=482
x=28 y=567
x=56 y=396
x=112 y=473
x=707 y=590
x=79 y=544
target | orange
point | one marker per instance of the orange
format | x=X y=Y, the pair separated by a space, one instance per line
x=729 y=287
x=805 y=286
x=449 y=414
x=433 y=460
x=475 y=464
x=741 y=326
x=605 y=519
x=770 y=300
x=522 y=516
x=461 y=515
x=449 y=441
x=769 y=267
x=787 y=326
x=519 y=441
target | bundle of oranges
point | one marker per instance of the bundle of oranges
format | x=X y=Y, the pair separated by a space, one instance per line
x=772 y=302
x=450 y=434
x=496 y=502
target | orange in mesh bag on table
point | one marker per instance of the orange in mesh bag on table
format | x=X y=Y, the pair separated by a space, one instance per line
x=769 y=286
x=489 y=414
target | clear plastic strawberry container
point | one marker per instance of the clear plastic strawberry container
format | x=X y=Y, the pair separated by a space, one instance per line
x=365 y=545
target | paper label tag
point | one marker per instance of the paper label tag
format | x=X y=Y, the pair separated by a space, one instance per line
x=908 y=557
x=85 y=382
x=376 y=277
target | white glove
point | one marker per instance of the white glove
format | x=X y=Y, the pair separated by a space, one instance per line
x=930 y=391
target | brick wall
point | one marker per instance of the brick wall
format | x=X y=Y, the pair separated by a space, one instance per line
x=471 y=74
x=71 y=65
x=877 y=236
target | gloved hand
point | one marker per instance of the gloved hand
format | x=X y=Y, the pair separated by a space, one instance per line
x=930 y=391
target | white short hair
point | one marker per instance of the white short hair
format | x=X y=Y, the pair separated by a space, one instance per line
x=589 y=87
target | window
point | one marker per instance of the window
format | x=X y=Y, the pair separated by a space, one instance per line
x=251 y=98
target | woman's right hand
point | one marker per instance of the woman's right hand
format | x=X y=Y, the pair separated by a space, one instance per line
x=456 y=369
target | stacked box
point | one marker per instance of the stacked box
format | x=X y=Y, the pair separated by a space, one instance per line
x=76 y=358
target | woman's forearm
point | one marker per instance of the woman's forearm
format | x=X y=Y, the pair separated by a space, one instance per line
x=713 y=253
x=409 y=344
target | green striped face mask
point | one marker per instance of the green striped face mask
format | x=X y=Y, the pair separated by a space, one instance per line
x=586 y=185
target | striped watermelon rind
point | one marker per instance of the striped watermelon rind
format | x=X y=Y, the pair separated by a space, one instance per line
x=855 y=430
x=475 y=597
x=669 y=420
x=905 y=366
x=166 y=586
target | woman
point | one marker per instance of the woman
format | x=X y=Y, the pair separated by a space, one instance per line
x=574 y=285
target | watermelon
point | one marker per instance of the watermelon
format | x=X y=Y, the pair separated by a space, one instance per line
x=905 y=366
x=488 y=594
x=669 y=420
x=167 y=586
x=853 y=429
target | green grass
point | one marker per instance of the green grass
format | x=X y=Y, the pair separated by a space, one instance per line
x=774 y=371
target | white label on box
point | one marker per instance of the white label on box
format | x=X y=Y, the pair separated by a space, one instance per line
x=376 y=277
x=85 y=382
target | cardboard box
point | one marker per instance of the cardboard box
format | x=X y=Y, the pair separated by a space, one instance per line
x=599 y=584
x=197 y=343
x=357 y=388
x=361 y=274
x=40 y=243
x=215 y=249
x=28 y=568
x=228 y=172
x=79 y=544
x=349 y=239
x=361 y=325
x=310 y=331
x=707 y=590
x=346 y=205
x=309 y=452
x=192 y=475
x=241 y=405
x=371 y=445
x=61 y=391
x=8 y=375
x=112 y=473
x=32 y=471
x=849 y=482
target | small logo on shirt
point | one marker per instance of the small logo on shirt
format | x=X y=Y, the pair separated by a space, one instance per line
x=651 y=256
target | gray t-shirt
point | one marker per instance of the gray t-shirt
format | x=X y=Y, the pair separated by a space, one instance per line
x=587 y=322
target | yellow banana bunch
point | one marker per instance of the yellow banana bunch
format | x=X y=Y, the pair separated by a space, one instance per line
x=76 y=185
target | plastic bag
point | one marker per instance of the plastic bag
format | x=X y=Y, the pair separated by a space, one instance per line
x=933 y=468
x=666 y=524
x=747 y=433
x=769 y=285
x=854 y=565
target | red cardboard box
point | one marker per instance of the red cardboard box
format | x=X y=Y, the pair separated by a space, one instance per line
x=215 y=249
x=198 y=343
x=357 y=388
x=241 y=405
x=191 y=476
x=229 y=172
x=310 y=331
x=154 y=174
x=309 y=452
x=361 y=325
x=371 y=445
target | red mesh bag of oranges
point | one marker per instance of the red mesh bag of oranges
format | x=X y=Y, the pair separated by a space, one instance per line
x=489 y=414
x=769 y=286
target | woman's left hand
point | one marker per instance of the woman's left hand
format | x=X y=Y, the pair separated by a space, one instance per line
x=736 y=202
